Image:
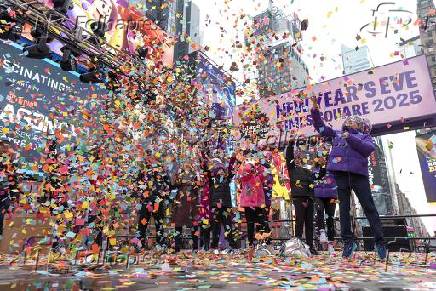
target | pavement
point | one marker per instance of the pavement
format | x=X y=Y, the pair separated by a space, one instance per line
x=186 y=271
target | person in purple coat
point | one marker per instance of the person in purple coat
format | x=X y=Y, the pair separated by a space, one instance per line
x=348 y=162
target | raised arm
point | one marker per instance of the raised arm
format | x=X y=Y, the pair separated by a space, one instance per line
x=231 y=167
x=289 y=155
x=318 y=123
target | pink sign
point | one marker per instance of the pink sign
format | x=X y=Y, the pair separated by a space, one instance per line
x=386 y=94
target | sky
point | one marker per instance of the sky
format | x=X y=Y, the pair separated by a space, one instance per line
x=332 y=23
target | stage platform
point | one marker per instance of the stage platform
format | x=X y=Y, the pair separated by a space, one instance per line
x=210 y=271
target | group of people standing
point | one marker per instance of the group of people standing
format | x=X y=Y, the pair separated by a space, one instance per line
x=200 y=197
x=204 y=201
x=198 y=192
x=330 y=177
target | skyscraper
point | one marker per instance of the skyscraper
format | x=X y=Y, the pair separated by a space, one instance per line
x=379 y=180
x=355 y=59
x=427 y=14
x=407 y=209
x=278 y=53
x=160 y=11
x=187 y=28
x=180 y=19
x=194 y=31
x=281 y=70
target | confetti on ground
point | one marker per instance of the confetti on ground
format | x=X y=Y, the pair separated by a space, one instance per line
x=207 y=270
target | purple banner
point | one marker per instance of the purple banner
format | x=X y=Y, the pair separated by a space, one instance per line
x=400 y=92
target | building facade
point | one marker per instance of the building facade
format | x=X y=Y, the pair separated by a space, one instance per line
x=180 y=19
x=162 y=13
x=278 y=54
x=427 y=14
x=281 y=71
x=195 y=33
x=406 y=208
x=382 y=192
x=187 y=28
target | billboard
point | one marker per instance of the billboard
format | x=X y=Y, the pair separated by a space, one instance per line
x=216 y=87
x=391 y=96
x=122 y=23
x=38 y=99
x=425 y=146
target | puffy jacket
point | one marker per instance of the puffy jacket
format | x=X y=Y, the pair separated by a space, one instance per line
x=219 y=188
x=220 y=191
x=186 y=203
x=252 y=179
x=301 y=178
x=347 y=155
x=325 y=184
x=281 y=186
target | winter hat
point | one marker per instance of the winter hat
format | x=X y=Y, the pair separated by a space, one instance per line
x=363 y=124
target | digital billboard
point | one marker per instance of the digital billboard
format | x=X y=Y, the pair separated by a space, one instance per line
x=38 y=99
x=392 y=97
x=217 y=87
x=122 y=23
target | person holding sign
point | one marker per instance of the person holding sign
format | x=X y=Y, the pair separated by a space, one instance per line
x=348 y=161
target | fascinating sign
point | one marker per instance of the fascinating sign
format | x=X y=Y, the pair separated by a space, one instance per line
x=38 y=99
x=425 y=145
x=396 y=92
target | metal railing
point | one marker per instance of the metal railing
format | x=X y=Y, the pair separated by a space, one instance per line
x=103 y=252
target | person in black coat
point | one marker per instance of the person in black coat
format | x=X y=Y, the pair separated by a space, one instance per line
x=185 y=206
x=221 y=201
x=154 y=201
x=302 y=193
